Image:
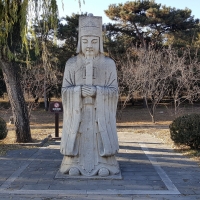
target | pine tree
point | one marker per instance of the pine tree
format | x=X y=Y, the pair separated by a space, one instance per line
x=147 y=22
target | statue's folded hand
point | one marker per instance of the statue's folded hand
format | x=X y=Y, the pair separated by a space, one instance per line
x=88 y=90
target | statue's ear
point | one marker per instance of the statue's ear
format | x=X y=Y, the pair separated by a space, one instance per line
x=78 y=49
x=101 y=44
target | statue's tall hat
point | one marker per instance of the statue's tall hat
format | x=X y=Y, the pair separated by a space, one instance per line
x=90 y=26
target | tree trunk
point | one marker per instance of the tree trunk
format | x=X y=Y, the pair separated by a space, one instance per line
x=153 y=107
x=45 y=97
x=45 y=89
x=17 y=101
x=144 y=102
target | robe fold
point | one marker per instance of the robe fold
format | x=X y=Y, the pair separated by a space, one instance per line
x=89 y=138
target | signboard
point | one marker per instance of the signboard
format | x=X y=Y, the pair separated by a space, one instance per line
x=56 y=107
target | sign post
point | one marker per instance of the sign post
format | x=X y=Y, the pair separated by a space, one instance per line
x=56 y=124
x=56 y=107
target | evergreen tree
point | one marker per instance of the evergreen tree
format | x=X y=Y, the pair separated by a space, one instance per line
x=147 y=22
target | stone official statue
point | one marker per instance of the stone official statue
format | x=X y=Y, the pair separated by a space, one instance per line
x=89 y=95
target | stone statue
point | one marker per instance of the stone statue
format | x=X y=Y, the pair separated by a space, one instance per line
x=89 y=95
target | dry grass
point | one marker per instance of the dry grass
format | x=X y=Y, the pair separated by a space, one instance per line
x=42 y=125
x=9 y=143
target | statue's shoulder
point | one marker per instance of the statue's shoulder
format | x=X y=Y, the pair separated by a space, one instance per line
x=109 y=61
x=71 y=61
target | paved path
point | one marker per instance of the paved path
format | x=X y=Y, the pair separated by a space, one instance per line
x=150 y=170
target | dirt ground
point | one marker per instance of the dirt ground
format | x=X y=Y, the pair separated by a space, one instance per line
x=133 y=118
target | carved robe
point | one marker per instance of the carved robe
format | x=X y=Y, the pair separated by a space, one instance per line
x=89 y=138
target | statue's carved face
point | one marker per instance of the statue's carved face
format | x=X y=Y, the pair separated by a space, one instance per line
x=90 y=46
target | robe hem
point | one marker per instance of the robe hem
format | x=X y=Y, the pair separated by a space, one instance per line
x=60 y=175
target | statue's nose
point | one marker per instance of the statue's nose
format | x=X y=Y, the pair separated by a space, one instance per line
x=89 y=45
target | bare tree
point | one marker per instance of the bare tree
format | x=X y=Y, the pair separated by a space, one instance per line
x=192 y=70
x=157 y=73
x=37 y=82
x=127 y=79
x=184 y=78
x=153 y=76
x=144 y=71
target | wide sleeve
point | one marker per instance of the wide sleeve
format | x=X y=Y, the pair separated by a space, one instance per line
x=71 y=99
x=106 y=105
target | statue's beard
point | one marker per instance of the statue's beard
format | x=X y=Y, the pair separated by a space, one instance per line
x=90 y=54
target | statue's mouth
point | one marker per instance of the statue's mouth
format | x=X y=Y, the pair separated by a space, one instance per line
x=89 y=52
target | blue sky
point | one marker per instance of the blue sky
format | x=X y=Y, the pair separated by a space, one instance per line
x=97 y=7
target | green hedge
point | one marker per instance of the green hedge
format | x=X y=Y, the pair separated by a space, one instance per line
x=3 y=129
x=186 y=130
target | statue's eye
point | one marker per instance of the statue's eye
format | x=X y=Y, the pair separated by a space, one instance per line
x=84 y=41
x=94 y=41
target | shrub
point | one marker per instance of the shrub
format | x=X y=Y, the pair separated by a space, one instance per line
x=186 y=130
x=3 y=129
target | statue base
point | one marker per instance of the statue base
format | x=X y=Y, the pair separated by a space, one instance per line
x=60 y=175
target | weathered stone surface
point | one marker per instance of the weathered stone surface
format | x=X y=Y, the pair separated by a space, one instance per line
x=89 y=95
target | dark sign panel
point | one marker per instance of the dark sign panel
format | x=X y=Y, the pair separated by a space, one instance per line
x=56 y=107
